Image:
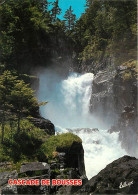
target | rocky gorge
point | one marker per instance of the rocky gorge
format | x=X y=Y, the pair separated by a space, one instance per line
x=113 y=93
x=120 y=176
x=86 y=75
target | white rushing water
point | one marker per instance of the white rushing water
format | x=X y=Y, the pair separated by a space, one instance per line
x=68 y=107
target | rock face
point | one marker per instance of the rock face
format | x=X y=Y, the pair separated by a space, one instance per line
x=102 y=98
x=72 y=159
x=4 y=187
x=114 y=99
x=45 y=124
x=92 y=66
x=34 y=166
x=127 y=125
x=121 y=176
x=68 y=164
x=111 y=92
x=76 y=153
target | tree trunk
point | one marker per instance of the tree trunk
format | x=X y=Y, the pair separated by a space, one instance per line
x=2 y=132
x=2 y=126
x=18 y=129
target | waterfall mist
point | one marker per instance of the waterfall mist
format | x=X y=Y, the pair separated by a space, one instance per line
x=68 y=108
x=68 y=100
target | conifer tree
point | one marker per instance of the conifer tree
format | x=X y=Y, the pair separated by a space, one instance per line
x=70 y=18
x=7 y=81
x=55 y=10
x=16 y=100
x=23 y=100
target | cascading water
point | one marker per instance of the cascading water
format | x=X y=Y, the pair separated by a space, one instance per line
x=68 y=108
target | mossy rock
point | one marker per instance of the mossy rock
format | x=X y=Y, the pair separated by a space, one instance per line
x=63 y=141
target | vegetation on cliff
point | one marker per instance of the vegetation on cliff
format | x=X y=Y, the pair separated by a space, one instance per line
x=16 y=100
x=30 y=33
x=63 y=141
x=31 y=144
x=107 y=28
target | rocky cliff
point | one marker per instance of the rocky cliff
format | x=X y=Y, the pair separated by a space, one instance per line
x=114 y=99
x=119 y=177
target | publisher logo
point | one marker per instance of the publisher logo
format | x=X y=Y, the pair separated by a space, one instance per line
x=125 y=184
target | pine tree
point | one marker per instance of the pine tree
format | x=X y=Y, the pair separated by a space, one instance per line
x=23 y=100
x=6 y=85
x=69 y=18
x=88 y=3
x=16 y=100
x=55 y=11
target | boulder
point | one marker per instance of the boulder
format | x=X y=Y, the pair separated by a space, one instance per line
x=119 y=177
x=5 y=176
x=34 y=166
x=44 y=124
x=75 y=152
x=5 y=165
x=4 y=187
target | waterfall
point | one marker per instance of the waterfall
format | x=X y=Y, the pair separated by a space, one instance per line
x=68 y=108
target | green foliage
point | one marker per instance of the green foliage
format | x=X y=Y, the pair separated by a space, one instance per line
x=22 y=99
x=26 y=28
x=55 y=11
x=22 y=146
x=6 y=84
x=127 y=76
x=106 y=28
x=16 y=99
x=42 y=103
x=61 y=141
x=70 y=19
x=131 y=70
x=66 y=171
x=31 y=144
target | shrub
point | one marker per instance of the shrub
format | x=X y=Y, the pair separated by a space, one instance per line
x=61 y=141
x=127 y=76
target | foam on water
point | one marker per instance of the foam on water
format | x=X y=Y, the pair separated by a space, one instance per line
x=68 y=107
x=101 y=148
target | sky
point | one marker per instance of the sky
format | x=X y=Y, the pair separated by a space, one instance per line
x=77 y=6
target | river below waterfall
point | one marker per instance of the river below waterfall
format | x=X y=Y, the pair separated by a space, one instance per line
x=68 y=108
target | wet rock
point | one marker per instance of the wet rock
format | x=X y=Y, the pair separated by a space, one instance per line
x=73 y=174
x=127 y=125
x=84 y=130
x=5 y=165
x=121 y=176
x=111 y=92
x=113 y=129
x=34 y=166
x=61 y=159
x=96 y=142
x=114 y=100
x=102 y=98
x=55 y=165
x=45 y=124
x=4 y=178
x=76 y=153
